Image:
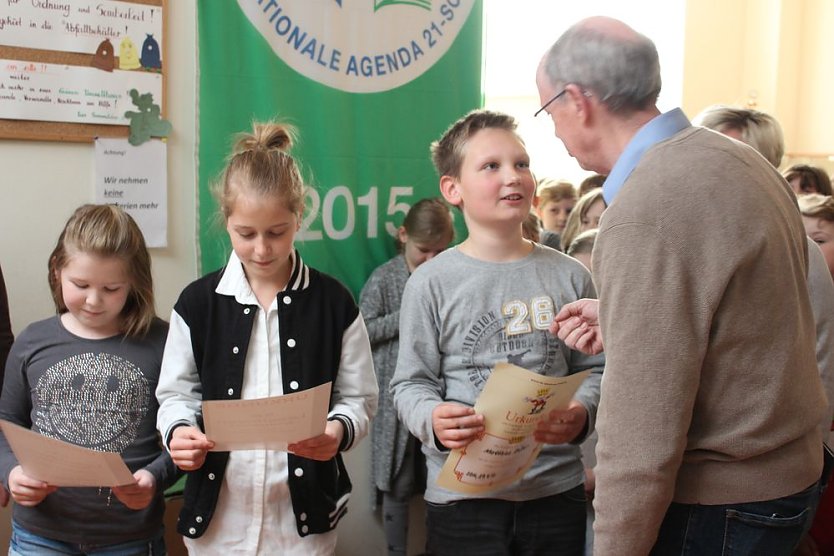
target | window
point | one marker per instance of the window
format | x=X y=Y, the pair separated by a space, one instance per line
x=516 y=34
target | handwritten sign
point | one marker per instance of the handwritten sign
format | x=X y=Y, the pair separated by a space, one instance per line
x=61 y=93
x=136 y=180
x=77 y=25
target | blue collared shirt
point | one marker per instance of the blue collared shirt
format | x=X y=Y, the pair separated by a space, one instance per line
x=658 y=129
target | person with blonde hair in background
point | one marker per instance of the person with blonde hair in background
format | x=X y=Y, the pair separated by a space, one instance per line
x=758 y=129
x=553 y=204
x=763 y=132
x=585 y=216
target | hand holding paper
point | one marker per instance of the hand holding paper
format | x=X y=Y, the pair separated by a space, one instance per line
x=456 y=425
x=137 y=496
x=27 y=491
x=512 y=405
x=189 y=447
x=322 y=447
x=79 y=466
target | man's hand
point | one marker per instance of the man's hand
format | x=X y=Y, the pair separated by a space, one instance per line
x=577 y=324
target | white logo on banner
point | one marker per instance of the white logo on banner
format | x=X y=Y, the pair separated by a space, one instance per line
x=359 y=46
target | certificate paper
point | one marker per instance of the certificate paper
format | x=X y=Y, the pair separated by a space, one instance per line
x=63 y=464
x=266 y=423
x=512 y=402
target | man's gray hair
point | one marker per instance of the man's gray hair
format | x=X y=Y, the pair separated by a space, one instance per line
x=624 y=73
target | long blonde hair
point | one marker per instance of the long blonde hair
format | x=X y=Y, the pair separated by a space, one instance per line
x=580 y=210
x=108 y=231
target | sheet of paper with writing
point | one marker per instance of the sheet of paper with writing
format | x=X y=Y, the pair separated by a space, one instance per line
x=512 y=402
x=266 y=423
x=63 y=464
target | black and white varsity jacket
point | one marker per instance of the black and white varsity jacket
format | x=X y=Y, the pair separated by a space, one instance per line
x=314 y=312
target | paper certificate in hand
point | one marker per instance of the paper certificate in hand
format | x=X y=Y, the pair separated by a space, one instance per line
x=512 y=402
x=63 y=464
x=266 y=423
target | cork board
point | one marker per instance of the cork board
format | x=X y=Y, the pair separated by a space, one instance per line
x=41 y=130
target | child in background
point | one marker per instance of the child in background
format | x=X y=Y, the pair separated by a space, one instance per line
x=582 y=246
x=818 y=217
x=491 y=299
x=87 y=376
x=585 y=216
x=265 y=325
x=553 y=204
x=805 y=179
x=397 y=465
x=590 y=183
x=531 y=228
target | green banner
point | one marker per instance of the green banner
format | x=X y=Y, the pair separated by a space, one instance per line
x=368 y=83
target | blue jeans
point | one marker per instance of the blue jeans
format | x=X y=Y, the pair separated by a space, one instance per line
x=772 y=527
x=486 y=527
x=26 y=543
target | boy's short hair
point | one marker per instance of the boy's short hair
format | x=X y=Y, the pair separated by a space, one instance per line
x=447 y=152
x=553 y=191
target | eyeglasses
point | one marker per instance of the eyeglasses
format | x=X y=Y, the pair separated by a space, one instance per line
x=549 y=102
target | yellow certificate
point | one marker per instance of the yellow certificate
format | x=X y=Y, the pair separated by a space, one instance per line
x=512 y=402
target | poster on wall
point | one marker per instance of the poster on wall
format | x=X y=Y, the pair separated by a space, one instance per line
x=367 y=83
x=135 y=178
x=67 y=66
x=62 y=93
x=82 y=26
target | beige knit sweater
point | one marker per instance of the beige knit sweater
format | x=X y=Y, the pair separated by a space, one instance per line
x=711 y=392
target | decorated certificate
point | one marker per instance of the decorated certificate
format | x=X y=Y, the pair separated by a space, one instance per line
x=266 y=423
x=512 y=402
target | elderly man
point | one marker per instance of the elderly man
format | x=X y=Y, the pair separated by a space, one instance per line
x=708 y=423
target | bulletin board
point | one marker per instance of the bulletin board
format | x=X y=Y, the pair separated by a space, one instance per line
x=79 y=25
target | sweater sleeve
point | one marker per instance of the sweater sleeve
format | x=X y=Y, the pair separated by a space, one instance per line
x=650 y=387
x=821 y=290
x=15 y=403
x=383 y=323
x=417 y=384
